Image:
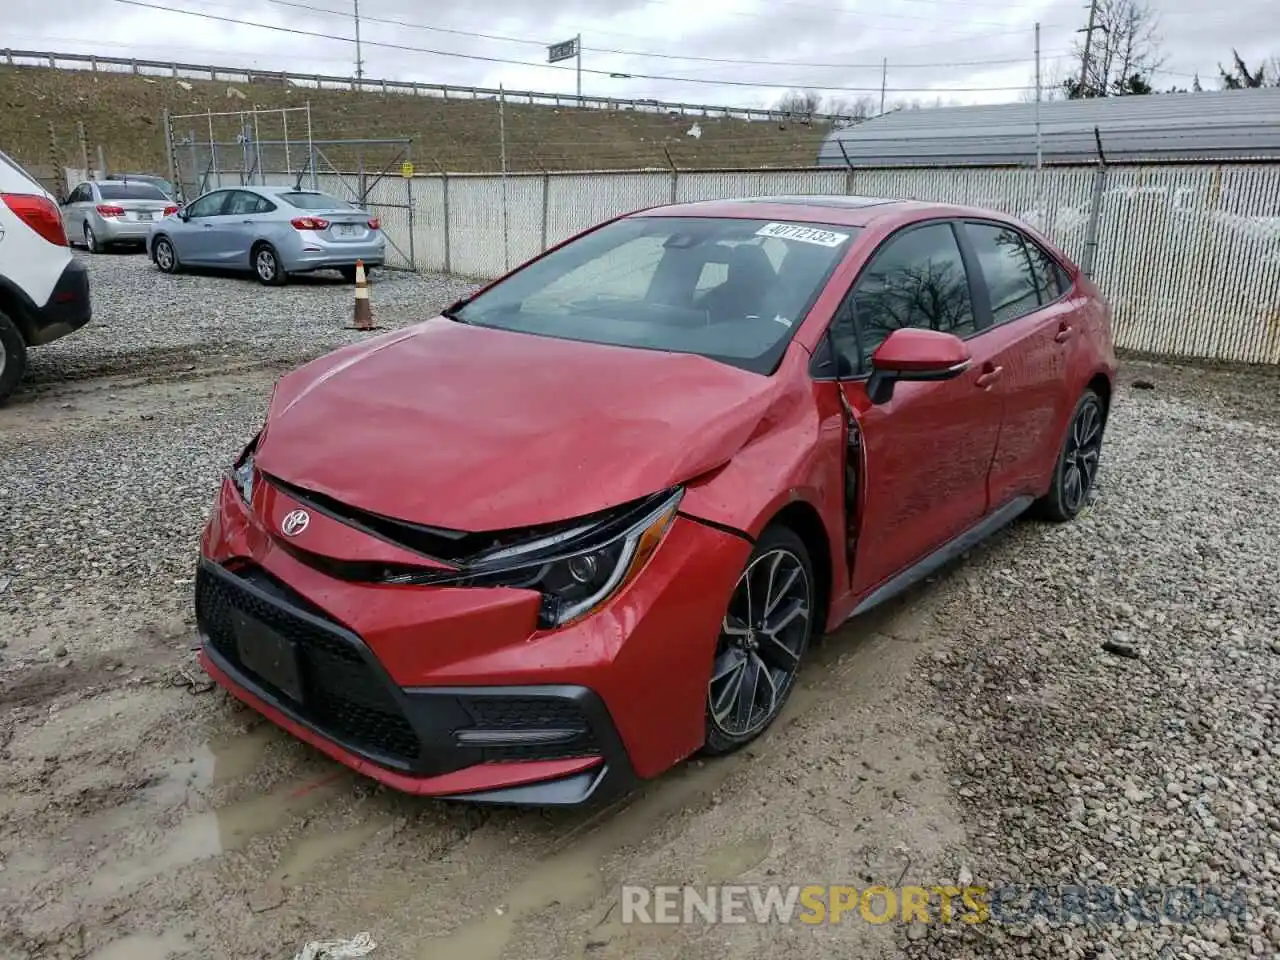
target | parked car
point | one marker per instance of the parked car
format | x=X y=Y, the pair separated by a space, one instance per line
x=102 y=213
x=44 y=289
x=589 y=520
x=272 y=231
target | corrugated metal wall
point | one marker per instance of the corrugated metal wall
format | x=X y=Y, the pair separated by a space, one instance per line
x=1189 y=255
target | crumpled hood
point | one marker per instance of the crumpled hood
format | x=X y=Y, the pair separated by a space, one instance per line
x=473 y=429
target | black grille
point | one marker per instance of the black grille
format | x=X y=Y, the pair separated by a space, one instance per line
x=529 y=714
x=342 y=695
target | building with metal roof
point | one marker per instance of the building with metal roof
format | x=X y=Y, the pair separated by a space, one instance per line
x=1218 y=125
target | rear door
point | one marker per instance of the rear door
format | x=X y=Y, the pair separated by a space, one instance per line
x=1028 y=341
x=927 y=451
x=236 y=227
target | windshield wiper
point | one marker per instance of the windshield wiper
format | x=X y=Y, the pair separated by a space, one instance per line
x=451 y=311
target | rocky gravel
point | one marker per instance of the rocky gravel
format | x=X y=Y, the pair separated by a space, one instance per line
x=1115 y=689
x=1094 y=705
x=145 y=321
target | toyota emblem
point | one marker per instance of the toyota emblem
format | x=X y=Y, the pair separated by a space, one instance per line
x=294 y=522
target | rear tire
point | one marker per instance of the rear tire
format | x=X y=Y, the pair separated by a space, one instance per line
x=91 y=240
x=266 y=265
x=762 y=642
x=1076 y=471
x=13 y=358
x=165 y=256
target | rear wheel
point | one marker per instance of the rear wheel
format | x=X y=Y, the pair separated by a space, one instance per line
x=164 y=255
x=13 y=358
x=91 y=240
x=1077 y=467
x=763 y=638
x=266 y=265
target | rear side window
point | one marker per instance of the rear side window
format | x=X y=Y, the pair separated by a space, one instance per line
x=130 y=191
x=918 y=280
x=1051 y=280
x=1006 y=267
x=315 y=201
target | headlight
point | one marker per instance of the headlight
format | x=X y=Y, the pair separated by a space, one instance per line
x=242 y=472
x=576 y=570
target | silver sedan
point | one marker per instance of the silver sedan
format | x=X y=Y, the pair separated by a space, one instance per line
x=271 y=231
x=99 y=213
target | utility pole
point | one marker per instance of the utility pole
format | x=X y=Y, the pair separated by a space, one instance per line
x=359 y=59
x=884 y=81
x=1088 y=42
x=1039 y=148
x=578 y=44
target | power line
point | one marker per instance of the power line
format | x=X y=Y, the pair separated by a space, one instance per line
x=719 y=82
x=392 y=21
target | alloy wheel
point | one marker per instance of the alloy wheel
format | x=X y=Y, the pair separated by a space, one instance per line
x=266 y=264
x=762 y=639
x=1080 y=458
x=164 y=255
x=90 y=239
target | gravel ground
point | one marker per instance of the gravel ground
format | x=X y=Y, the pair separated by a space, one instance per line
x=146 y=321
x=977 y=729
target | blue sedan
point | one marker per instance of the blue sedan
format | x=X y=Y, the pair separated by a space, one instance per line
x=271 y=231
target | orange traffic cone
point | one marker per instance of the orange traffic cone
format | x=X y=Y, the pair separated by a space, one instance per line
x=363 y=311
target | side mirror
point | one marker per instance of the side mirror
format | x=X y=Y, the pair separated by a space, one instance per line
x=183 y=214
x=914 y=354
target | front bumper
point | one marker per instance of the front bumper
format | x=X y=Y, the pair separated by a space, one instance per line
x=453 y=692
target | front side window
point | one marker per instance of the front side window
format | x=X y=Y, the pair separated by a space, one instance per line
x=1010 y=279
x=209 y=205
x=917 y=279
x=733 y=290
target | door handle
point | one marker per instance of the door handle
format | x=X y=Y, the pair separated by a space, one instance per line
x=989 y=377
x=1065 y=333
x=246 y=221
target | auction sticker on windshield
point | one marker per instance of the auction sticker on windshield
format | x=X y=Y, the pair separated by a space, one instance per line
x=801 y=234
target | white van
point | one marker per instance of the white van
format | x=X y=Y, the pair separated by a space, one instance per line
x=44 y=289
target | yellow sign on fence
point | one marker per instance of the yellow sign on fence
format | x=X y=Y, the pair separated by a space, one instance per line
x=406 y=169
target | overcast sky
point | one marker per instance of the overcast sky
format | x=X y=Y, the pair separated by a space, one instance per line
x=959 y=50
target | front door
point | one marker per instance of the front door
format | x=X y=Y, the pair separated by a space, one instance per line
x=196 y=237
x=928 y=450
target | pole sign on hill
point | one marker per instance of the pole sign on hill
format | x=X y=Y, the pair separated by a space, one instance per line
x=562 y=51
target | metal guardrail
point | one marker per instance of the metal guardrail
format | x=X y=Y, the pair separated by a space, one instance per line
x=82 y=61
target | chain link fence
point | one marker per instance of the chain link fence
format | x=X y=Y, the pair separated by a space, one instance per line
x=1189 y=255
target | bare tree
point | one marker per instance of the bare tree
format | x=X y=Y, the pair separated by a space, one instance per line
x=1242 y=78
x=1051 y=85
x=1124 y=54
x=800 y=103
x=858 y=108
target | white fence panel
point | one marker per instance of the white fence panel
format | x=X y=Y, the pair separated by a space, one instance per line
x=723 y=185
x=577 y=201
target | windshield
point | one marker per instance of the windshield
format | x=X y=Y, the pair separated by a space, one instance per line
x=315 y=201
x=732 y=290
x=130 y=191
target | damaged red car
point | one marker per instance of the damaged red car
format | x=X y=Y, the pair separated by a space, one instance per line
x=589 y=520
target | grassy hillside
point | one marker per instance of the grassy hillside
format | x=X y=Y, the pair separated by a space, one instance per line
x=122 y=113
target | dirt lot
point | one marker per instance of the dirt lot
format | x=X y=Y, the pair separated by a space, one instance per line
x=976 y=727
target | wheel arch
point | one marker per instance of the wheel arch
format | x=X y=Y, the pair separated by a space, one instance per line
x=17 y=307
x=804 y=520
x=1101 y=384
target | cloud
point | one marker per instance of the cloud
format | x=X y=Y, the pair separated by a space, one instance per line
x=957 y=50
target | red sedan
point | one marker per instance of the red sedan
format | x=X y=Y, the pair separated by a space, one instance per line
x=589 y=520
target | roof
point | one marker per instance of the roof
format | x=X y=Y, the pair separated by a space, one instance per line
x=818 y=208
x=1216 y=125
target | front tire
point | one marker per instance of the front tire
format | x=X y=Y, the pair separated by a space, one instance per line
x=13 y=358
x=1077 y=467
x=266 y=266
x=165 y=257
x=763 y=638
